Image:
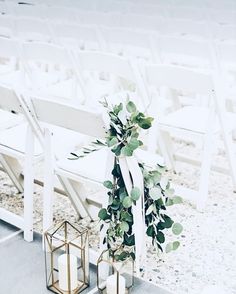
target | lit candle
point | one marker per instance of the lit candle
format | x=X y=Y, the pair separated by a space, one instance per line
x=112 y=285
x=63 y=272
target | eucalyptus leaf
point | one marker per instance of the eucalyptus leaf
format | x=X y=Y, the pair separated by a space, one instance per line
x=127 y=202
x=124 y=226
x=108 y=184
x=127 y=151
x=150 y=231
x=112 y=142
x=176 y=245
x=169 y=247
x=177 y=228
x=149 y=210
x=155 y=193
x=135 y=193
x=131 y=107
x=103 y=215
x=177 y=200
x=160 y=237
x=133 y=143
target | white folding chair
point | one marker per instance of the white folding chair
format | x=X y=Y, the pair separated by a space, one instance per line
x=30 y=11
x=60 y=14
x=188 y=13
x=223 y=32
x=128 y=42
x=77 y=36
x=25 y=142
x=50 y=71
x=142 y=22
x=186 y=28
x=223 y=16
x=9 y=55
x=92 y=169
x=7 y=28
x=149 y=9
x=185 y=52
x=105 y=74
x=198 y=120
x=17 y=143
x=97 y=18
x=28 y=29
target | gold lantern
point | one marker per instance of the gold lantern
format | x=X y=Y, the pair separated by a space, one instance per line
x=66 y=258
x=114 y=276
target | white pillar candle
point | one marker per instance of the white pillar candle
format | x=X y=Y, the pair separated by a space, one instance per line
x=111 y=285
x=63 y=272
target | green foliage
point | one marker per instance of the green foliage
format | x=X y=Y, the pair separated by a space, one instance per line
x=177 y=228
x=126 y=122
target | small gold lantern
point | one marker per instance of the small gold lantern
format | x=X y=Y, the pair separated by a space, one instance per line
x=66 y=258
x=115 y=277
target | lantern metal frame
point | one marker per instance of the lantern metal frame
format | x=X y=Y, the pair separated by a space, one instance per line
x=66 y=243
x=107 y=257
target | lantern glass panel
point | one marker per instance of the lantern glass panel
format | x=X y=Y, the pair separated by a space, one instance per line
x=118 y=272
x=66 y=258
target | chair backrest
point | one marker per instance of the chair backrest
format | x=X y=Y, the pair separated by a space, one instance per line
x=98 y=18
x=31 y=11
x=143 y=22
x=149 y=9
x=6 y=26
x=80 y=35
x=223 y=32
x=128 y=41
x=3 y=8
x=223 y=17
x=188 y=13
x=116 y=66
x=227 y=54
x=32 y=30
x=9 y=48
x=61 y=14
x=186 y=28
x=179 y=78
x=105 y=62
x=79 y=119
x=9 y=100
x=46 y=54
x=183 y=51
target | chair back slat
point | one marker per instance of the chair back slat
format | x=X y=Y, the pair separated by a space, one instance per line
x=179 y=78
x=80 y=120
x=9 y=100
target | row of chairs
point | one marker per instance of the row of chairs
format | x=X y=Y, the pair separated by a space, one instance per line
x=145 y=13
x=197 y=12
x=170 y=80
x=17 y=26
x=24 y=64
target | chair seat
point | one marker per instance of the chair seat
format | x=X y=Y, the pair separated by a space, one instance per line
x=14 y=138
x=195 y=119
x=13 y=79
x=64 y=141
x=66 y=91
x=8 y=119
x=190 y=118
x=97 y=165
x=184 y=60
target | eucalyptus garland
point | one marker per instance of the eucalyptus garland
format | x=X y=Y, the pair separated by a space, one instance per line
x=123 y=134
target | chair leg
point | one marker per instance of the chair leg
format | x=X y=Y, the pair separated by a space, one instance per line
x=208 y=148
x=48 y=189
x=165 y=144
x=73 y=195
x=229 y=148
x=28 y=187
x=12 y=168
